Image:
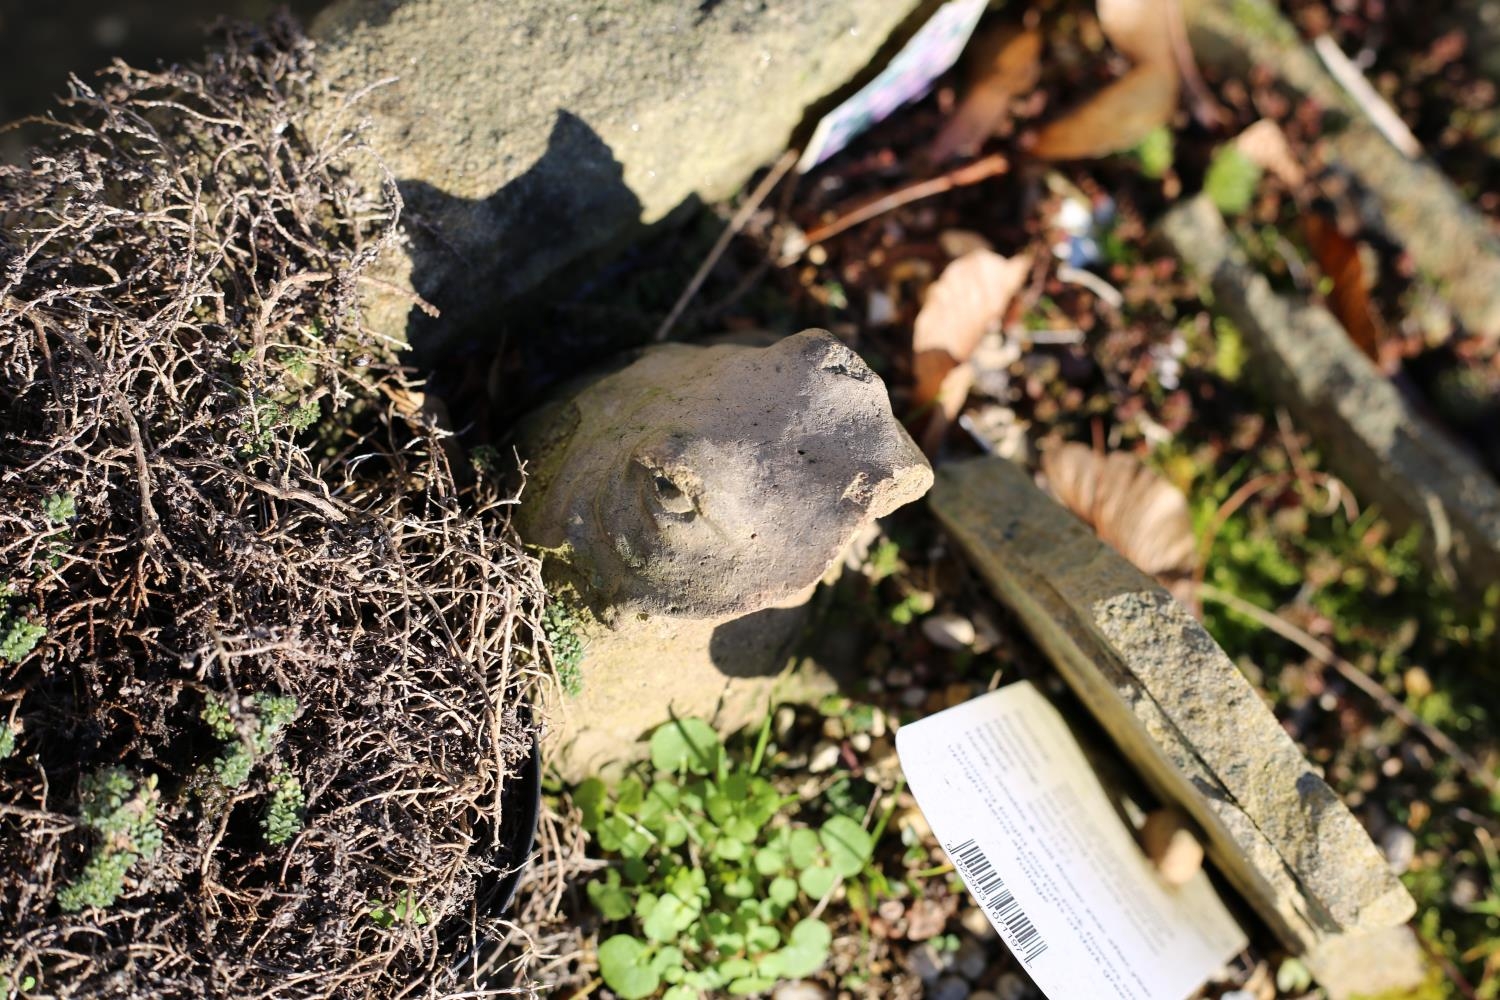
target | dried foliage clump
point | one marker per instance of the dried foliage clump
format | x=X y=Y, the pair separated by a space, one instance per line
x=262 y=661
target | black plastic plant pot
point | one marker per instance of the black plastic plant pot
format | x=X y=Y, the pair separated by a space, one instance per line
x=521 y=809
x=523 y=801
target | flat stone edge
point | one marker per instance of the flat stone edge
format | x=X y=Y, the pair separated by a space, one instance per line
x=1391 y=454
x=1092 y=597
x=1462 y=254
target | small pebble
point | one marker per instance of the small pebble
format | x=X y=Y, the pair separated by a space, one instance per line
x=785 y=719
x=950 y=988
x=833 y=729
x=977 y=924
x=1400 y=847
x=928 y=963
x=877 y=724
x=861 y=742
x=1171 y=846
x=825 y=757
x=1465 y=892
x=1012 y=987
x=970 y=960
x=799 y=991
x=913 y=697
x=1238 y=995
x=949 y=631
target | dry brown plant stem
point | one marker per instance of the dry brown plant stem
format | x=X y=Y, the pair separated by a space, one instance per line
x=1351 y=673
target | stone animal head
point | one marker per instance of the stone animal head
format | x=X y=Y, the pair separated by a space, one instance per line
x=711 y=482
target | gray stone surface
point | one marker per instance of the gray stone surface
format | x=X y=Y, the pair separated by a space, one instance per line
x=1388 y=452
x=524 y=133
x=1383 y=963
x=693 y=500
x=1417 y=205
x=1176 y=706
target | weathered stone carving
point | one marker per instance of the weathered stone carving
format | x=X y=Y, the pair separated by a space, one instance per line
x=686 y=497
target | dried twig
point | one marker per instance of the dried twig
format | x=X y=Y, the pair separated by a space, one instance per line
x=970 y=173
x=736 y=223
x=1372 y=104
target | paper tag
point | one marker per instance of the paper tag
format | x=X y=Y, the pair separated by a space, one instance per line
x=1012 y=798
x=928 y=55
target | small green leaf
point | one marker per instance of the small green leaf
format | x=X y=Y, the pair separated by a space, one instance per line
x=817 y=880
x=762 y=938
x=783 y=891
x=727 y=848
x=1231 y=180
x=849 y=845
x=667 y=959
x=769 y=862
x=680 y=993
x=668 y=918
x=733 y=968
x=629 y=796
x=803 y=847
x=625 y=964
x=748 y=986
x=686 y=744
x=612 y=902
x=805 y=953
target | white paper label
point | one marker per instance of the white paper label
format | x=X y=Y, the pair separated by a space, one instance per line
x=1024 y=819
x=928 y=55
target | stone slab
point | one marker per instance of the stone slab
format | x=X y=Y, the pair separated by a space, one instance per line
x=1176 y=706
x=525 y=133
x=1372 y=437
x=1416 y=204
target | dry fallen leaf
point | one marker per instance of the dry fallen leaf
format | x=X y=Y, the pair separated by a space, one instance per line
x=1264 y=144
x=969 y=297
x=1123 y=114
x=1140 y=29
x=1349 y=299
x=1006 y=65
x=1117 y=118
x=1131 y=508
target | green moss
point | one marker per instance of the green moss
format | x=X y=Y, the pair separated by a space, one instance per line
x=562 y=628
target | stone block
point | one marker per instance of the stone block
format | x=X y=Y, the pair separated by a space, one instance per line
x=525 y=133
x=1176 y=706
x=1373 y=438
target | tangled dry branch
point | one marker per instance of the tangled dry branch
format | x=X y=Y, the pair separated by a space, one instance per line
x=215 y=489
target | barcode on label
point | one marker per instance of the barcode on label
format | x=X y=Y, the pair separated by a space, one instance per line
x=989 y=889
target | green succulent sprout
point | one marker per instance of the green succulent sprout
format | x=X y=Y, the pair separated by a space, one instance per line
x=121 y=813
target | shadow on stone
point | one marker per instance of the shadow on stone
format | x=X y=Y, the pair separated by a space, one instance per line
x=756 y=645
x=469 y=253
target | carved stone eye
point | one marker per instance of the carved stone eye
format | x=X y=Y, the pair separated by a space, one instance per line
x=672 y=499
